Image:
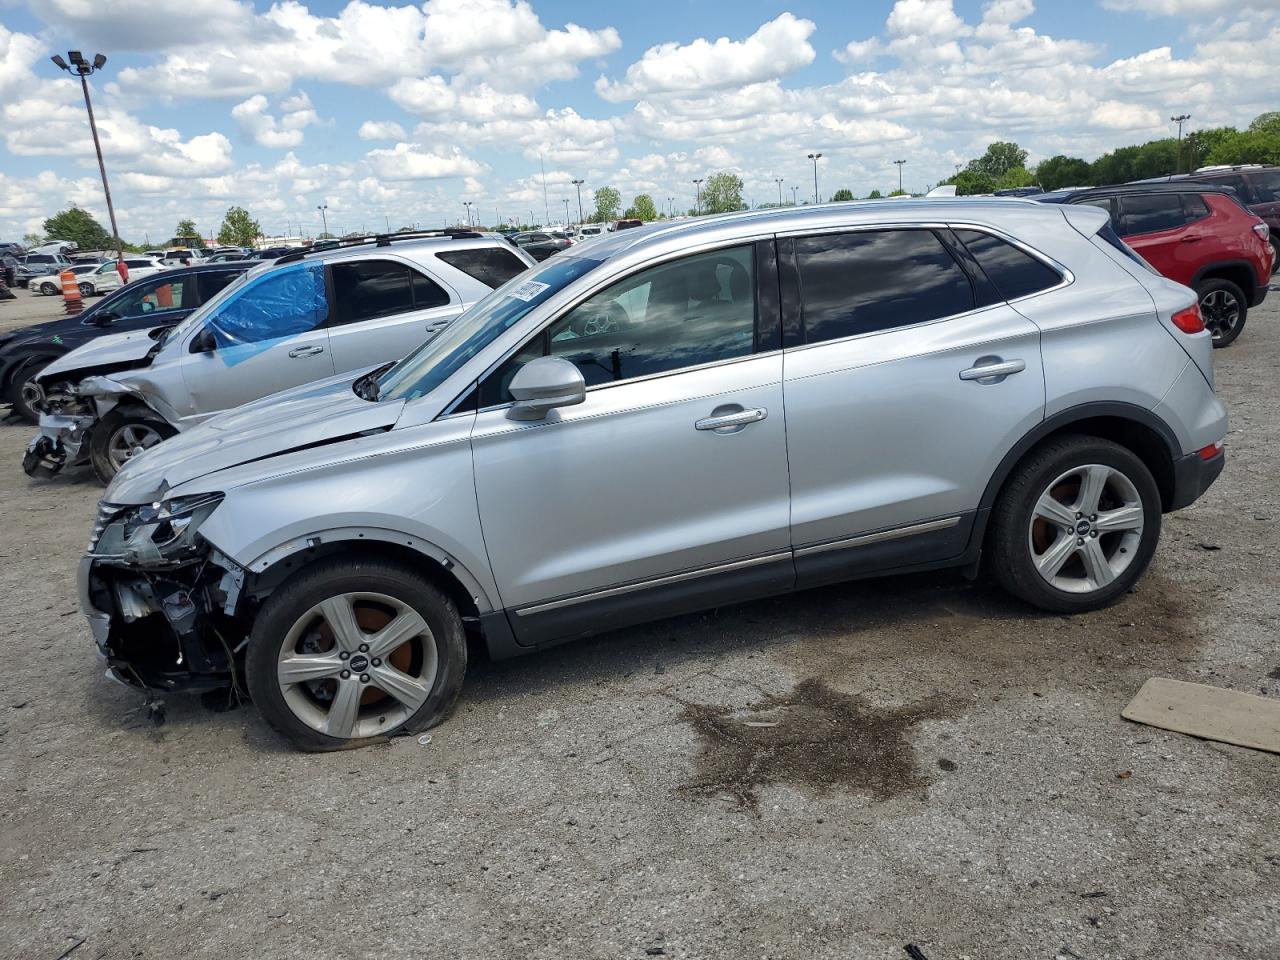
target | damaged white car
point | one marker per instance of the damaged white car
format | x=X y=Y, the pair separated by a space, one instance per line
x=305 y=317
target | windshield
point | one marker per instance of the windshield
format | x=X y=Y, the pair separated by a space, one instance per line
x=436 y=360
x=196 y=320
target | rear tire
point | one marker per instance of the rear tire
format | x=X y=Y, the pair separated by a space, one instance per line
x=1076 y=525
x=1224 y=308
x=48 y=289
x=23 y=372
x=86 y=290
x=117 y=436
x=399 y=690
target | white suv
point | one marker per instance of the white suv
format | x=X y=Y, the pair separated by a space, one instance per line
x=304 y=317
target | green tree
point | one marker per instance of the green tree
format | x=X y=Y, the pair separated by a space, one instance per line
x=874 y=195
x=186 y=228
x=30 y=240
x=1001 y=157
x=77 y=225
x=841 y=194
x=969 y=182
x=897 y=193
x=1015 y=177
x=722 y=193
x=1061 y=171
x=643 y=208
x=608 y=203
x=238 y=228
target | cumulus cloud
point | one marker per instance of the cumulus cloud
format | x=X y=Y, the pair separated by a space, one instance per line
x=296 y=113
x=412 y=161
x=381 y=130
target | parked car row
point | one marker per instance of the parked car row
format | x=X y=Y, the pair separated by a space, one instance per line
x=660 y=420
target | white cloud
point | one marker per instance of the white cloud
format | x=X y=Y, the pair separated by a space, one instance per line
x=265 y=130
x=412 y=161
x=1189 y=8
x=381 y=130
x=435 y=96
x=930 y=19
x=777 y=48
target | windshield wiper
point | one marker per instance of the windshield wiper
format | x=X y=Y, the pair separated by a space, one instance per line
x=367 y=387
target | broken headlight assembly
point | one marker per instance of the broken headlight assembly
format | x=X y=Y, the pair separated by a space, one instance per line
x=156 y=534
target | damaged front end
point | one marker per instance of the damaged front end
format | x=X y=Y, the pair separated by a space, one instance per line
x=160 y=600
x=68 y=413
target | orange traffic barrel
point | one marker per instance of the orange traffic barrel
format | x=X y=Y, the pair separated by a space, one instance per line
x=71 y=293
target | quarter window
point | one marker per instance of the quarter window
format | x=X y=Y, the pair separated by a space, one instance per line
x=1152 y=212
x=492 y=266
x=697 y=310
x=1194 y=207
x=861 y=282
x=1015 y=273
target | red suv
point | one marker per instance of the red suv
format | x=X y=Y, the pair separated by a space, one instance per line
x=1196 y=234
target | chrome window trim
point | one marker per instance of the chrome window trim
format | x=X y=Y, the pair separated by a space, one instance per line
x=895 y=533
x=654 y=582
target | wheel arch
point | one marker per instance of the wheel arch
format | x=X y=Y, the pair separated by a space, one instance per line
x=1239 y=272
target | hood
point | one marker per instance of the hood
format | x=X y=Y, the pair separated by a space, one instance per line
x=309 y=416
x=110 y=350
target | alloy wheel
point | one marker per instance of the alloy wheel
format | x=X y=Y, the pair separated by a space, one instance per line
x=1085 y=528
x=129 y=440
x=1221 y=312
x=357 y=664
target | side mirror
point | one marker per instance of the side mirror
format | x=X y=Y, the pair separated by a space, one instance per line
x=104 y=318
x=544 y=384
x=204 y=342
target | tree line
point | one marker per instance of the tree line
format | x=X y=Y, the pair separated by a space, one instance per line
x=238 y=229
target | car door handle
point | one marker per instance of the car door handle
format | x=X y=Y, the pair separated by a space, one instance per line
x=437 y=325
x=992 y=369
x=1192 y=238
x=721 y=420
x=310 y=350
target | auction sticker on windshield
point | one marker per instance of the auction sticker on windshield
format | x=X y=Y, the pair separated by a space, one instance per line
x=529 y=290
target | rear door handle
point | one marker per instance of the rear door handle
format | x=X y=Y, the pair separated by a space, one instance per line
x=724 y=421
x=310 y=350
x=1192 y=238
x=992 y=369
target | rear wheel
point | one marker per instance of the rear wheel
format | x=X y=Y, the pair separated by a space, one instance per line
x=48 y=289
x=1076 y=525
x=122 y=435
x=21 y=394
x=86 y=289
x=1224 y=308
x=353 y=651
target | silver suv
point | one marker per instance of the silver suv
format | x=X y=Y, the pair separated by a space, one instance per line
x=303 y=317
x=665 y=419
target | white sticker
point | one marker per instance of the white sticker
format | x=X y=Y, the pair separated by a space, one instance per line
x=528 y=290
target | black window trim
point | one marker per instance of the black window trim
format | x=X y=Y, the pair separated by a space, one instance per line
x=938 y=228
x=458 y=406
x=1065 y=276
x=331 y=322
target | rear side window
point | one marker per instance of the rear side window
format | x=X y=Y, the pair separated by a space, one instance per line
x=492 y=266
x=1194 y=207
x=426 y=292
x=1015 y=273
x=1151 y=213
x=1266 y=186
x=211 y=283
x=138 y=263
x=370 y=288
x=1237 y=183
x=872 y=280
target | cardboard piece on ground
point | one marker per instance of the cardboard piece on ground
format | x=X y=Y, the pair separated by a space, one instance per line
x=1209 y=713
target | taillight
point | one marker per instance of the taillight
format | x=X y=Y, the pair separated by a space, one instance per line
x=1211 y=451
x=1262 y=230
x=1189 y=320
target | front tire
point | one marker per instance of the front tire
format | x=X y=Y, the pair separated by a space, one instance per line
x=351 y=652
x=19 y=399
x=48 y=289
x=86 y=290
x=120 y=436
x=1224 y=308
x=1076 y=525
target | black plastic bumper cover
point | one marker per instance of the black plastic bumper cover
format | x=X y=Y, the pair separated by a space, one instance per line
x=1193 y=475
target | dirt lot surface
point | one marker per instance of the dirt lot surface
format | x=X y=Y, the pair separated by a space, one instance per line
x=833 y=774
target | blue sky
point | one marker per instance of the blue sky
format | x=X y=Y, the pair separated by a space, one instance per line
x=400 y=112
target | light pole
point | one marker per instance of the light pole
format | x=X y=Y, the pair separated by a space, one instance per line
x=1180 y=119
x=899 y=163
x=795 y=202
x=566 y=211
x=467 y=204
x=815 y=157
x=81 y=68
x=671 y=207
x=324 y=217
x=697 y=197
x=779 y=179
x=578 y=185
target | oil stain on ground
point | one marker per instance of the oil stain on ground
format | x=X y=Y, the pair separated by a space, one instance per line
x=815 y=738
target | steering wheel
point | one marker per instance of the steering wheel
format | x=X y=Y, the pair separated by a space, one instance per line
x=598 y=322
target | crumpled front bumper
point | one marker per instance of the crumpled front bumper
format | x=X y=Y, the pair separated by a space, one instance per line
x=62 y=439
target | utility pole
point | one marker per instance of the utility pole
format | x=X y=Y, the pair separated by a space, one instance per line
x=81 y=67
x=566 y=211
x=900 y=163
x=697 y=197
x=779 y=179
x=324 y=217
x=578 y=184
x=546 y=206
x=815 y=157
x=1180 y=119
x=467 y=204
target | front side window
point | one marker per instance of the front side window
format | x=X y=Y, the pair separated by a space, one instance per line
x=492 y=266
x=697 y=310
x=1151 y=213
x=155 y=295
x=1014 y=272
x=283 y=303
x=861 y=282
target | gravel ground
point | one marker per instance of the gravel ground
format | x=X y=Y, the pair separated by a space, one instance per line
x=946 y=768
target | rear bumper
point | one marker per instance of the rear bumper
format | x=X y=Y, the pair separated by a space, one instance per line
x=1260 y=291
x=1192 y=476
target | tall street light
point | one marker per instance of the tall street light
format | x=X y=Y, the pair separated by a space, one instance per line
x=815 y=157
x=671 y=206
x=899 y=163
x=795 y=202
x=779 y=179
x=578 y=184
x=1180 y=119
x=697 y=201
x=467 y=204
x=566 y=211
x=81 y=67
x=324 y=216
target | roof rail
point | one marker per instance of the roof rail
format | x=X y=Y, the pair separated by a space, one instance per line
x=384 y=240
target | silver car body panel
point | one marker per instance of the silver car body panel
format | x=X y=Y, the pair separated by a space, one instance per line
x=883 y=441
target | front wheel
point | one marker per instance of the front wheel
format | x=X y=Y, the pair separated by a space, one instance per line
x=1076 y=525
x=353 y=651
x=22 y=392
x=122 y=435
x=48 y=289
x=86 y=290
x=1224 y=308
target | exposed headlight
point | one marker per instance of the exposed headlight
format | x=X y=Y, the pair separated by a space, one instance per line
x=156 y=533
